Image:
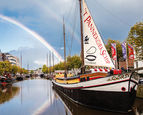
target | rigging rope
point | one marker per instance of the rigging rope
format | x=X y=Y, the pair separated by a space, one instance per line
x=72 y=19
x=112 y=14
x=74 y=28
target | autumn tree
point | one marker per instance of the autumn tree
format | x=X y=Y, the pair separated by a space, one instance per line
x=45 y=69
x=14 y=69
x=59 y=66
x=118 y=48
x=5 y=67
x=135 y=38
x=24 y=71
x=1 y=68
x=31 y=72
x=73 y=62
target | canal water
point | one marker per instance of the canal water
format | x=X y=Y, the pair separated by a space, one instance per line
x=37 y=97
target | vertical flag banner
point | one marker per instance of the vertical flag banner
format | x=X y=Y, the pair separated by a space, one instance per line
x=124 y=50
x=113 y=48
x=131 y=52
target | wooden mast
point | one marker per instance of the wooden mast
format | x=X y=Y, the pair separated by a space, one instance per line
x=21 y=62
x=47 y=61
x=82 y=49
x=53 y=63
x=50 y=62
x=64 y=49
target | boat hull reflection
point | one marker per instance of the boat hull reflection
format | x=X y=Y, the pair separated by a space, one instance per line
x=7 y=92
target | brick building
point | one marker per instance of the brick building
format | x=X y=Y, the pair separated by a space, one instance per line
x=130 y=64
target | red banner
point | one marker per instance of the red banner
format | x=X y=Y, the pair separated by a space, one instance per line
x=113 y=48
x=131 y=52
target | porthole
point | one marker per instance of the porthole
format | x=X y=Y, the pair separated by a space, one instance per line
x=123 y=89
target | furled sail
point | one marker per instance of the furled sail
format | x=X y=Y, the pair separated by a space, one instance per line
x=95 y=53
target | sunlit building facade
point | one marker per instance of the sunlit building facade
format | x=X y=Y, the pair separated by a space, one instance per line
x=8 y=57
x=12 y=59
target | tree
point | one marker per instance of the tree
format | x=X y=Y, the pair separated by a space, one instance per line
x=24 y=71
x=59 y=66
x=14 y=69
x=135 y=38
x=118 y=48
x=73 y=62
x=31 y=72
x=45 y=69
x=1 y=68
x=5 y=67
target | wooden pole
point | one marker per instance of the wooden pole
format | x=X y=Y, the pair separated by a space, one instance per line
x=53 y=60
x=53 y=63
x=64 y=50
x=21 y=61
x=116 y=58
x=126 y=58
x=47 y=61
x=50 y=62
x=82 y=49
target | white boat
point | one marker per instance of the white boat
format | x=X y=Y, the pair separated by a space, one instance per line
x=98 y=90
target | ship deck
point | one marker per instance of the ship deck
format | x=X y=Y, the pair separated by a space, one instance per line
x=80 y=78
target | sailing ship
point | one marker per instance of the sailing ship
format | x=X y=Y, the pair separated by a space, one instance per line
x=111 y=92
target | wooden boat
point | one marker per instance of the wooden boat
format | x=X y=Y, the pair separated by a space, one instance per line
x=19 y=78
x=111 y=92
x=6 y=80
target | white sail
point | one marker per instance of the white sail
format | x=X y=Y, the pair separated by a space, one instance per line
x=95 y=53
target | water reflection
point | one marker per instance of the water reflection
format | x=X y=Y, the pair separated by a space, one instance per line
x=139 y=106
x=7 y=93
x=36 y=97
x=33 y=97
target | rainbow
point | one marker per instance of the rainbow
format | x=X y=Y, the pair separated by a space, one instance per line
x=34 y=34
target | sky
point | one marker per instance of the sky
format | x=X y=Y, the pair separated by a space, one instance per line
x=113 y=18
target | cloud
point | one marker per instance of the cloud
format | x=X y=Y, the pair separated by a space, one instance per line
x=62 y=48
x=34 y=57
x=15 y=5
x=40 y=62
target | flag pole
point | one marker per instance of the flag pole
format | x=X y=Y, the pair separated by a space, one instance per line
x=126 y=58
x=135 y=59
x=116 y=59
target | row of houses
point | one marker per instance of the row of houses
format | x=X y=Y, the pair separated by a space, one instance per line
x=8 y=57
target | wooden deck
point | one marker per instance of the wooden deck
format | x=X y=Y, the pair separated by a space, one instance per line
x=80 y=78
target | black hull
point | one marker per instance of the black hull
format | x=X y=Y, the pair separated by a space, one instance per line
x=109 y=101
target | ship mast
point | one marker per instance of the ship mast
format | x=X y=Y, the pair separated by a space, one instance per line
x=65 y=75
x=21 y=62
x=82 y=50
